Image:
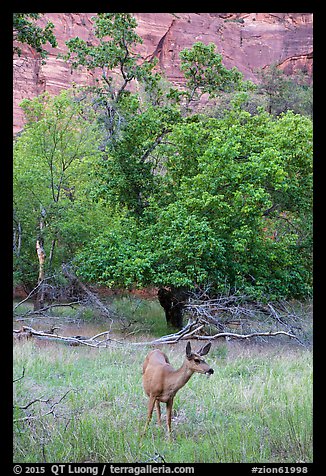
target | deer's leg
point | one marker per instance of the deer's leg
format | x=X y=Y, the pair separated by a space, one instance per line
x=150 y=408
x=158 y=412
x=169 y=405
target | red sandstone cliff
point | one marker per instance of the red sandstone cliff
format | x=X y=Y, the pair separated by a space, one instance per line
x=249 y=41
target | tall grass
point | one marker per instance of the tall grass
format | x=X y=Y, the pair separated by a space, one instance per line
x=257 y=407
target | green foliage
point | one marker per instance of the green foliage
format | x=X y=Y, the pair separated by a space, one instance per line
x=276 y=93
x=205 y=73
x=117 y=38
x=117 y=258
x=138 y=193
x=26 y=31
x=52 y=158
x=114 y=50
x=128 y=177
x=109 y=54
x=286 y=93
x=238 y=217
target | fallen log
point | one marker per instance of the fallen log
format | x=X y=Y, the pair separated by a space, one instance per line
x=71 y=340
x=192 y=335
x=190 y=331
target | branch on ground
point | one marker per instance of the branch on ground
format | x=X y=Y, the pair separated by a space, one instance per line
x=28 y=332
x=21 y=377
x=41 y=400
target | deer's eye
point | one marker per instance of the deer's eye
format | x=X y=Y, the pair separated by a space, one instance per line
x=197 y=361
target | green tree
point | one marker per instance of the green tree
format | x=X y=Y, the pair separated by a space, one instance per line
x=238 y=219
x=194 y=201
x=25 y=30
x=204 y=72
x=285 y=93
x=130 y=175
x=52 y=160
x=114 y=52
x=133 y=126
x=136 y=126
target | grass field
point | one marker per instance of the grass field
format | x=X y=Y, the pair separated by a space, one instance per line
x=257 y=407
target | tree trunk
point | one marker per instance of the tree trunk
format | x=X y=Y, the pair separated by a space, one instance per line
x=172 y=302
x=17 y=240
x=51 y=255
x=39 y=302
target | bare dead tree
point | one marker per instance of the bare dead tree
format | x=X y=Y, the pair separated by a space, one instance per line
x=33 y=291
x=81 y=297
x=93 y=298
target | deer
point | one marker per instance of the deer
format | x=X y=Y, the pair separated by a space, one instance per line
x=161 y=381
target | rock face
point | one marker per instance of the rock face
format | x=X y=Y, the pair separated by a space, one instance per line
x=249 y=41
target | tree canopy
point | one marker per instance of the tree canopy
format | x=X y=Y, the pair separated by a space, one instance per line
x=238 y=216
x=135 y=190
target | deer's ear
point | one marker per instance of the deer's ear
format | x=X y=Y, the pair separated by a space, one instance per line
x=188 y=350
x=204 y=350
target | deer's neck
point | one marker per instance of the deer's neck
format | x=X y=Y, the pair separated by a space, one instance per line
x=181 y=376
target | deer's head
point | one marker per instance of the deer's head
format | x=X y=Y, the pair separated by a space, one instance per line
x=195 y=362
